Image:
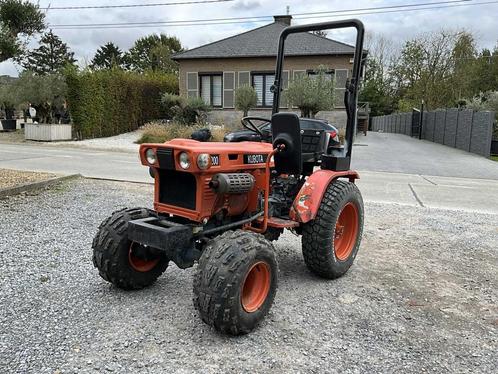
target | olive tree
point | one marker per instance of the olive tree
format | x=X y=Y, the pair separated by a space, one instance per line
x=311 y=93
x=45 y=93
x=245 y=98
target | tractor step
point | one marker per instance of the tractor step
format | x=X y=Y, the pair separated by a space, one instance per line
x=280 y=223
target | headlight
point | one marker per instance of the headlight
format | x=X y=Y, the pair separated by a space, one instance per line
x=150 y=156
x=184 y=160
x=203 y=161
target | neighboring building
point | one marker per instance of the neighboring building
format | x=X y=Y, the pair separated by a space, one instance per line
x=214 y=71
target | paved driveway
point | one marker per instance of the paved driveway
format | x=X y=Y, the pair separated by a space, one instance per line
x=66 y=160
x=396 y=153
x=398 y=169
x=394 y=169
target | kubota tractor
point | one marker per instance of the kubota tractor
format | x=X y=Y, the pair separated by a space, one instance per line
x=221 y=205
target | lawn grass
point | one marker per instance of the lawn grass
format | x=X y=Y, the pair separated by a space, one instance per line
x=494 y=158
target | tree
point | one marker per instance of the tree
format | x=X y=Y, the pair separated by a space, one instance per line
x=312 y=94
x=424 y=71
x=486 y=71
x=17 y=18
x=379 y=86
x=154 y=52
x=7 y=102
x=464 y=58
x=245 y=98
x=50 y=57
x=45 y=93
x=107 y=56
x=378 y=90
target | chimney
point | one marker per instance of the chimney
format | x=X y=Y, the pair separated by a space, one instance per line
x=286 y=20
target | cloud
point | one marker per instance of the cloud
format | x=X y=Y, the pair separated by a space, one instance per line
x=398 y=26
x=246 y=5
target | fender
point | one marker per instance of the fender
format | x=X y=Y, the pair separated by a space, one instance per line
x=309 y=198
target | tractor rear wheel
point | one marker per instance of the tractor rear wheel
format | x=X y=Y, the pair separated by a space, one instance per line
x=126 y=264
x=331 y=241
x=236 y=281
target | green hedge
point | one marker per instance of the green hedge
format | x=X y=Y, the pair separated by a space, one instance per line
x=112 y=102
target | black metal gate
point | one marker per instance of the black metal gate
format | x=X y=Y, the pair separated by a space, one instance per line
x=416 y=123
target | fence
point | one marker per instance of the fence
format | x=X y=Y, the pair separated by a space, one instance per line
x=463 y=129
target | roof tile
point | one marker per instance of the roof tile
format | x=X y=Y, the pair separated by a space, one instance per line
x=263 y=41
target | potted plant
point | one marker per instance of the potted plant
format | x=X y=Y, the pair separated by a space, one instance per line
x=45 y=94
x=9 y=123
x=8 y=107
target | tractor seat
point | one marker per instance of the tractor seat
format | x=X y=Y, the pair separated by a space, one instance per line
x=313 y=144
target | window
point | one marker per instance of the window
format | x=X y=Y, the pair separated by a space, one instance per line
x=314 y=125
x=329 y=75
x=262 y=83
x=192 y=84
x=211 y=89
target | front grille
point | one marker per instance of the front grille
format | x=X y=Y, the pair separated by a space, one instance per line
x=177 y=188
x=165 y=158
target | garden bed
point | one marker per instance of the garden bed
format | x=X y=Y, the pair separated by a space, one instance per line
x=14 y=178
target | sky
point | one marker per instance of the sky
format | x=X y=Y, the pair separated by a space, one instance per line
x=397 y=26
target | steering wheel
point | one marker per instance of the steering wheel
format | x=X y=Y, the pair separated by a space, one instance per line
x=249 y=125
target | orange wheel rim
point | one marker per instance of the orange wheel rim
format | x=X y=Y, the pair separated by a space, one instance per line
x=346 y=230
x=256 y=286
x=141 y=265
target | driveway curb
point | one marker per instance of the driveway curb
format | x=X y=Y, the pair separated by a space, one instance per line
x=27 y=187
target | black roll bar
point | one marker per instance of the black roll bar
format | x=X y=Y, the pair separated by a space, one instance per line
x=351 y=95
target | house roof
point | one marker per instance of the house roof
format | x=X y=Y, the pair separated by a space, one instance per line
x=263 y=42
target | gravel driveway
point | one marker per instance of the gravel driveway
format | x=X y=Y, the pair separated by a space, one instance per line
x=422 y=296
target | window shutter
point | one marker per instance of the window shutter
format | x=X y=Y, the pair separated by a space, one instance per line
x=244 y=78
x=192 y=88
x=341 y=77
x=285 y=85
x=228 y=89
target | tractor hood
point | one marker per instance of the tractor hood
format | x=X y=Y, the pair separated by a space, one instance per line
x=222 y=155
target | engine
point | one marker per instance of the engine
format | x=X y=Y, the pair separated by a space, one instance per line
x=202 y=181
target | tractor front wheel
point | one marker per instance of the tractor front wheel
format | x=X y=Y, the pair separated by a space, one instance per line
x=236 y=282
x=331 y=241
x=126 y=264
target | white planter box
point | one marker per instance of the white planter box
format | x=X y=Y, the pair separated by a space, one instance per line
x=47 y=132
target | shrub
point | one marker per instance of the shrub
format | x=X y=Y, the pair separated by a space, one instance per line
x=112 y=102
x=156 y=132
x=168 y=103
x=183 y=110
x=245 y=99
x=486 y=101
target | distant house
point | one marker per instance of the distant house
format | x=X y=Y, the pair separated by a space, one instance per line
x=215 y=70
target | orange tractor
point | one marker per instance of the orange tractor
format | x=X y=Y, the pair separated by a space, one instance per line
x=221 y=205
